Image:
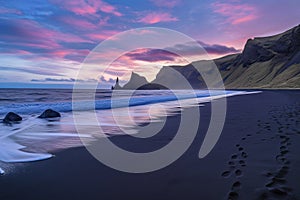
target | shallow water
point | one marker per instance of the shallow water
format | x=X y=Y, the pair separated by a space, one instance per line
x=37 y=139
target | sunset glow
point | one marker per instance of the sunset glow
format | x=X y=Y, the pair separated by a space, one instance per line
x=46 y=41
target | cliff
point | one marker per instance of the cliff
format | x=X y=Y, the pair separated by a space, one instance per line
x=265 y=62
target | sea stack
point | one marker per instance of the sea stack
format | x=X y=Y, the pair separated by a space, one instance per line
x=138 y=82
x=49 y=113
x=12 y=117
x=117 y=85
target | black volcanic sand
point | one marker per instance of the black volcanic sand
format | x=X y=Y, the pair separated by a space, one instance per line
x=257 y=157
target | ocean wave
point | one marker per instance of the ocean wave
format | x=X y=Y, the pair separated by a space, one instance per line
x=35 y=139
x=108 y=103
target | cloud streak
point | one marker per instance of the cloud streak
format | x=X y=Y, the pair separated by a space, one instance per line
x=188 y=49
x=88 y=7
x=68 y=80
x=156 y=17
x=31 y=71
x=29 y=33
x=167 y=4
x=235 y=12
x=151 y=55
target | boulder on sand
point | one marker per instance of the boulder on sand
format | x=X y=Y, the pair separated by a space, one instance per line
x=12 y=117
x=49 y=113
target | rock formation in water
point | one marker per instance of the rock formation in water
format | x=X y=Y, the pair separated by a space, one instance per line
x=137 y=82
x=49 y=113
x=12 y=117
x=117 y=85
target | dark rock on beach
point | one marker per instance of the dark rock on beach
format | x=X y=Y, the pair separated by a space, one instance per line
x=49 y=113
x=12 y=117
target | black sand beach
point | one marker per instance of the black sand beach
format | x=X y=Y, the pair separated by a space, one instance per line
x=255 y=158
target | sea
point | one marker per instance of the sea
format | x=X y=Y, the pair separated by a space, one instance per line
x=116 y=113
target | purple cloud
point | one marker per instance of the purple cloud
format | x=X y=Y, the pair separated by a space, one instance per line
x=157 y=55
x=69 y=80
x=88 y=7
x=152 y=55
x=156 y=17
x=190 y=49
x=28 y=70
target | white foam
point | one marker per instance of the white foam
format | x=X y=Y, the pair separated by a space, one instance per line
x=1 y=171
x=49 y=135
x=11 y=151
x=29 y=123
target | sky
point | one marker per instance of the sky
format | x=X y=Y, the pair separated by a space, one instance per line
x=44 y=42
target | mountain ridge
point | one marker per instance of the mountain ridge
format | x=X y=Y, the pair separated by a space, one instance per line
x=265 y=62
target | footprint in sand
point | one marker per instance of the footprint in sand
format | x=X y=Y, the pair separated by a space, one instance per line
x=226 y=174
x=283 y=171
x=231 y=163
x=278 y=192
x=238 y=173
x=235 y=161
x=233 y=196
x=280 y=158
x=283 y=152
x=236 y=185
x=244 y=154
x=276 y=187
x=242 y=163
x=283 y=147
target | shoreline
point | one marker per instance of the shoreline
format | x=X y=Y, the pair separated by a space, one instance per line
x=75 y=174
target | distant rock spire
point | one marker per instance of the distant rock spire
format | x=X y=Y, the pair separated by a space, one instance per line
x=117 y=85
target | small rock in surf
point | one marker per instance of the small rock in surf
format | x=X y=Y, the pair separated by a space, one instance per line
x=49 y=113
x=1 y=171
x=12 y=117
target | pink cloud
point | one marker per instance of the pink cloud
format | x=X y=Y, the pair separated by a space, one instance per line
x=235 y=13
x=88 y=7
x=106 y=8
x=59 y=53
x=101 y=35
x=36 y=33
x=244 y=19
x=72 y=54
x=151 y=55
x=164 y=3
x=28 y=33
x=156 y=17
x=83 y=24
x=29 y=38
x=78 y=23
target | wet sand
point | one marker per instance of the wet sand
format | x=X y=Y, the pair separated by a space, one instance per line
x=256 y=157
